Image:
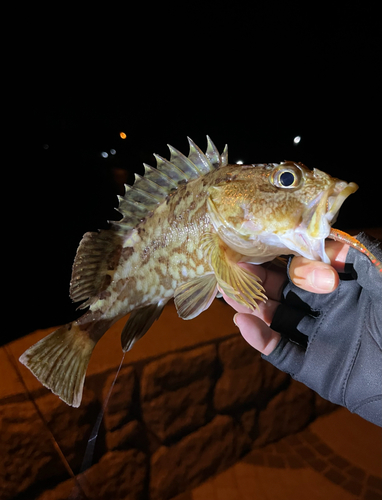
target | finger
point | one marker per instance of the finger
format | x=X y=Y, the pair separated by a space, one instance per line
x=318 y=277
x=265 y=311
x=257 y=333
x=337 y=253
x=272 y=281
x=313 y=276
x=240 y=308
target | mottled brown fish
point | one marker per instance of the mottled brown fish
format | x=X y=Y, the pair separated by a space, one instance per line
x=186 y=224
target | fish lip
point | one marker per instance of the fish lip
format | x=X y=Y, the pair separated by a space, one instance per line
x=324 y=211
x=320 y=215
x=336 y=199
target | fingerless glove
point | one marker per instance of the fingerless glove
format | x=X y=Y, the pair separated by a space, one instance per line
x=333 y=342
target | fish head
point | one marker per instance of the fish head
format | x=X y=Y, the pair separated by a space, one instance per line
x=263 y=211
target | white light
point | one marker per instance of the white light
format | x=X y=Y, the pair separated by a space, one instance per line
x=239 y=162
x=113 y=151
x=104 y=154
x=297 y=139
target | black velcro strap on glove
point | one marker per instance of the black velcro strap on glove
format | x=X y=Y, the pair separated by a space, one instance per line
x=285 y=321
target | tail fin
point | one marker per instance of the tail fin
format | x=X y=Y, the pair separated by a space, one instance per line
x=59 y=361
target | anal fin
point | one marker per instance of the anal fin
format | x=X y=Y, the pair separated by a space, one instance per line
x=139 y=323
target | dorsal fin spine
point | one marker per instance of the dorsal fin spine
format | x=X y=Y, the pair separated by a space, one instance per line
x=131 y=211
x=132 y=205
x=170 y=169
x=139 y=196
x=121 y=226
x=159 y=177
x=198 y=158
x=154 y=196
x=183 y=163
x=149 y=186
x=213 y=154
x=157 y=183
x=224 y=157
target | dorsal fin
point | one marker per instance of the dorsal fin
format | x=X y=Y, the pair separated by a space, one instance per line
x=98 y=253
x=189 y=169
x=151 y=189
x=97 y=256
x=199 y=159
x=213 y=154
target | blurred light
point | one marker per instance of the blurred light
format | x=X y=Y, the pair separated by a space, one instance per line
x=122 y=135
x=104 y=154
x=113 y=151
x=45 y=146
x=297 y=139
x=239 y=162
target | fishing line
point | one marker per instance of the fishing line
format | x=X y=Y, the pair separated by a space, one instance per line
x=89 y=452
x=56 y=446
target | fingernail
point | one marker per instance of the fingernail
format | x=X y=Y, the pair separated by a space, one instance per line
x=322 y=279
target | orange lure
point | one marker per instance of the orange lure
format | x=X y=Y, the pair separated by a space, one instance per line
x=337 y=235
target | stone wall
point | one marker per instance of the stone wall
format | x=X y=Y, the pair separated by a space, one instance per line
x=171 y=422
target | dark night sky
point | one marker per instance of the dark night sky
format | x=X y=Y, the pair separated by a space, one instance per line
x=252 y=79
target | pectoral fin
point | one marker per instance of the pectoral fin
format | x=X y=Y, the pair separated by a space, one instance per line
x=236 y=282
x=195 y=296
x=139 y=323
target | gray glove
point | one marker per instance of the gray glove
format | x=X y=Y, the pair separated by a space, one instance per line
x=333 y=342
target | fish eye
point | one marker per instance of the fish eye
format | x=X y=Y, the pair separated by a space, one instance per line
x=286 y=176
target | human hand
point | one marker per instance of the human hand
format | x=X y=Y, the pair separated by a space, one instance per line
x=332 y=342
x=310 y=275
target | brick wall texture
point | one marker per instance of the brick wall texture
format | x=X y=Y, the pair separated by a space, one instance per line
x=171 y=423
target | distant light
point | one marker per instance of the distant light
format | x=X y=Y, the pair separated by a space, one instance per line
x=122 y=135
x=239 y=162
x=113 y=151
x=297 y=139
x=104 y=154
x=45 y=146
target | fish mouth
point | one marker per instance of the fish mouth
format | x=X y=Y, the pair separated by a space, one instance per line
x=335 y=200
x=318 y=218
x=323 y=214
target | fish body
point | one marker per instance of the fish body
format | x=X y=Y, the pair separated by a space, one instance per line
x=185 y=227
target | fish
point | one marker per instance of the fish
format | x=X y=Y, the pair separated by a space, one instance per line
x=185 y=227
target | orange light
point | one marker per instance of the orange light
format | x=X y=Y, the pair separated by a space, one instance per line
x=122 y=135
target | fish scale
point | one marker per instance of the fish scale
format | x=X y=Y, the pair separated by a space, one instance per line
x=185 y=227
